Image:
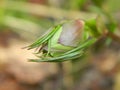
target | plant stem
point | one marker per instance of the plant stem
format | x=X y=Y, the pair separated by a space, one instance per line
x=113 y=36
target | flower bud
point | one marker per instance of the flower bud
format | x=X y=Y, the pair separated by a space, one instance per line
x=64 y=42
x=67 y=37
x=72 y=33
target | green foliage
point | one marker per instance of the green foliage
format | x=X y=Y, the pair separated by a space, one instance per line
x=53 y=51
x=45 y=38
x=51 y=47
x=91 y=24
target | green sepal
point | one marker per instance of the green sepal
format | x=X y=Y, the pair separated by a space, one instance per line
x=45 y=38
x=72 y=54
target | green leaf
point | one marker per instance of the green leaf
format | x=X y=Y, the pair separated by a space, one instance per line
x=45 y=38
x=70 y=55
x=83 y=45
x=55 y=59
x=91 y=26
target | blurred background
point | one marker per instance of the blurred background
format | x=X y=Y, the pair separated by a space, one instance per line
x=23 y=21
